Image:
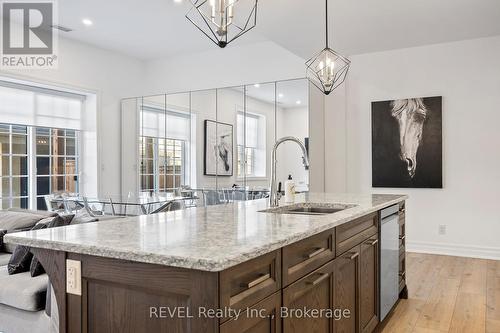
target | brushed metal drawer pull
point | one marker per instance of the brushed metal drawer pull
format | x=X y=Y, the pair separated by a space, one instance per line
x=402 y=237
x=258 y=280
x=372 y=242
x=315 y=252
x=352 y=256
x=322 y=277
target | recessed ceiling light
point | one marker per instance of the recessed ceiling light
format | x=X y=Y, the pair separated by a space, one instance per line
x=87 y=22
x=178 y=1
x=280 y=95
x=298 y=102
x=256 y=85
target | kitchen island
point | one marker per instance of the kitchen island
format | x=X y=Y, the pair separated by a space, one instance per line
x=224 y=268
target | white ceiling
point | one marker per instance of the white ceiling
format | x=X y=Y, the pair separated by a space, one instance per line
x=157 y=28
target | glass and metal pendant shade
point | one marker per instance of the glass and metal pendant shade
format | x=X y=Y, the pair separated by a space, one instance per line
x=327 y=69
x=223 y=21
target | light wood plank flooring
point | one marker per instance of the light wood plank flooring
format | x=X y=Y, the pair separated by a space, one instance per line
x=448 y=294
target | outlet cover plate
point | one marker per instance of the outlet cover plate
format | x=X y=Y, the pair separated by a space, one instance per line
x=74 y=277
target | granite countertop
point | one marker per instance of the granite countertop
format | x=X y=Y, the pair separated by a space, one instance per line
x=209 y=239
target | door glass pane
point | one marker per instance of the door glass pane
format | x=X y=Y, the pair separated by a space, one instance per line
x=42 y=185
x=70 y=146
x=19 y=129
x=57 y=184
x=4 y=165
x=19 y=144
x=4 y=203
x=4 y=143
x=42 y=145
x=5 y=192
x=19 y=165
x=71 y=165
x=58 y=166
x=71 y=183
x=40 y=203
x=19 y=186
x=42 y=165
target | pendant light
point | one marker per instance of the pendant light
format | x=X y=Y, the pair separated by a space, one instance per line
x=327 y=69
x=223 y=21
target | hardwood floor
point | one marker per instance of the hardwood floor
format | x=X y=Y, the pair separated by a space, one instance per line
x=448 y=294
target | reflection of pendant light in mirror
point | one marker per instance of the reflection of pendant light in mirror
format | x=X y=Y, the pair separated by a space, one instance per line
x=327 y=69
x=223 y=21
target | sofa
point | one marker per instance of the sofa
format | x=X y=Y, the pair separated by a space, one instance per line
x=26 y=303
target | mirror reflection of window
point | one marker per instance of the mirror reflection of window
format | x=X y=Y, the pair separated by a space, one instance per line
x=252 y=149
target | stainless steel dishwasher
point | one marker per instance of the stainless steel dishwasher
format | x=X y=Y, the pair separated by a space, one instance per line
x=389 y=259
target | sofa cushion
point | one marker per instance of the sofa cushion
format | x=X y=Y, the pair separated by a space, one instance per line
x=4 y=258
x=35 y=212
x=17 y=221
x=21 y=291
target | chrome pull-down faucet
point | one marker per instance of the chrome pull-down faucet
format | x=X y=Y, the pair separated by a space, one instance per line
x=273 y=195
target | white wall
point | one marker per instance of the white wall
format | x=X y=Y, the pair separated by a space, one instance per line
x=112 y=77
x=232 y=66
x=467 y=75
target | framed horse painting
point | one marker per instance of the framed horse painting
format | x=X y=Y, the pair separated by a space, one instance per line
x=407 y=143
x=218 y=149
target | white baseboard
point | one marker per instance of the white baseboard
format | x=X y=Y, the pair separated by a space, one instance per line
x=454 y=250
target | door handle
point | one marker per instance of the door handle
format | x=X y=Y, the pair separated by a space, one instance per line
x=315 y=252
x=372 y=242
x=322 y=277
x=255 y=282
x=352 y=256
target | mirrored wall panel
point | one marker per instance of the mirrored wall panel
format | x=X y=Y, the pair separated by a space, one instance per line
x=214 y=146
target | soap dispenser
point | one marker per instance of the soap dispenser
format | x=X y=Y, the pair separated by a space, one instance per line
x=289 y=190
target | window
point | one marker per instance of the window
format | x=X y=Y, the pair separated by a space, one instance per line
x=13 y=166
x=251 y=142
x=162 y=164
x=163 y=149
x=56 y=162
x=39 y=143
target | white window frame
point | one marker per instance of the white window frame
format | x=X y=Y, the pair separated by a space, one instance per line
x=262 y=121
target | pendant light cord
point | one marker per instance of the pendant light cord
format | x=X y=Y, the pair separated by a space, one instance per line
x=326 y=22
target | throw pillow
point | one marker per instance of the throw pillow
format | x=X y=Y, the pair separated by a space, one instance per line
x=2 y=233
x=20 y=261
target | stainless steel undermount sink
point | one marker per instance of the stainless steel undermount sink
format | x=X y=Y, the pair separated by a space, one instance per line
x=309 y=209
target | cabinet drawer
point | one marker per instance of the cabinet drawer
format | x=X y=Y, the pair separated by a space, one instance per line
x=353 y=233
x=305 y=256
x=262 y=317
x=246 y=284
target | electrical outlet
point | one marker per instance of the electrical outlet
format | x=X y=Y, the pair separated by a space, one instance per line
x=74 y=277
x=442 y=229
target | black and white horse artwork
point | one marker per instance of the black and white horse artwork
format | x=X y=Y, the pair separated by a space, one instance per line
x=222 y=148
x=218 y=149
x=407 y=143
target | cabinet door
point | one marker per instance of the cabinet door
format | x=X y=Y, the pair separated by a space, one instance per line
x=368 y=285
x=313 y=292
x=346 y=290
x=264 y=317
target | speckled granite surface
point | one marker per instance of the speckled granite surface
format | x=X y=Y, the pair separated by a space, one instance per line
x=210 y=239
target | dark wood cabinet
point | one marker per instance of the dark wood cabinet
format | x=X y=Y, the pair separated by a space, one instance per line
x=264 y=317
x=313 y=292
x=326 y=283
x=368 y=284
x=346 y=289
